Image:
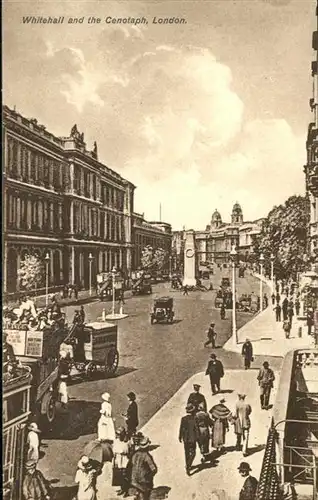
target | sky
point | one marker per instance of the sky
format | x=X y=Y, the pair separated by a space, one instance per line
x=197 y=115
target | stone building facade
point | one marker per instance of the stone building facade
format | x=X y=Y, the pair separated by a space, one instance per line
x=214 y=244
x=61 y=201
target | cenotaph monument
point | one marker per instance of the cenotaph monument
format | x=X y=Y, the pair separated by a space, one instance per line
x=189 y=259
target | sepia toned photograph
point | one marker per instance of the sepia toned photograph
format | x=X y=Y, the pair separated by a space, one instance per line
x=160 y=250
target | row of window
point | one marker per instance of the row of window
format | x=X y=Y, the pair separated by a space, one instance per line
x=92 y=222
x=32 y=167
x=87 y=184
x=23 y=212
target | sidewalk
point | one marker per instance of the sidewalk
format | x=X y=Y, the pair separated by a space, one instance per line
x=219 y=481
x=268 y=337
x=83 y=298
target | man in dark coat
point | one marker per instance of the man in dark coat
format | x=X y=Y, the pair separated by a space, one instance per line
x=189 y=435
x=310 y=320
x=277 y=298
x=278 y=312
x=196 y=398
x=248 y=491
x=285 y=308
x=142 y=470
x=290 y=312
x=9 y=361
x=34 y=486
x=265 y=379
x=132 y=415
x=216 y=372
x=247 y=353
x=211 y=333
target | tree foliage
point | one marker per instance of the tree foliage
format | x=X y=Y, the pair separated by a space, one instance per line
x=31 y=272
x=153 y=259
x=284 y=235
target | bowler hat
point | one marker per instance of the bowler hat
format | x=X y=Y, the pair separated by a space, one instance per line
x=213 y=356
x=196 y=385
x=244 y=466
x=144 y=442
x=131 y=395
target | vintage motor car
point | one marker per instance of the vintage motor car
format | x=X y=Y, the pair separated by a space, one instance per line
x=93 y=348
x=162 y=310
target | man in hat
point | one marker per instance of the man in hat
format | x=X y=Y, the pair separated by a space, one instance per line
x=242 y=423
x=248 y=491
x=196 y=398
x=211 y=333
x=189 y=435
x=33 y=444
x=142 y=470
x=278 y=312
x=247 y=353
x=204 y=424
x=265 y=379
x=131 y=416
x=215 y=371
x=9 y=361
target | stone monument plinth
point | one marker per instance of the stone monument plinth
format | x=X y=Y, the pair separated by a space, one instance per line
x=189 y=259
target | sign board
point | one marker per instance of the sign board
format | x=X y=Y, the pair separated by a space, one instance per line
x=26 y=343
x=17 y=338
x=34 y=344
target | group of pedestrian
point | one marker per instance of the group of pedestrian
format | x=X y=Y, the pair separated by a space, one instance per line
x=286 y=310
x=208 y=429
x=128 y=463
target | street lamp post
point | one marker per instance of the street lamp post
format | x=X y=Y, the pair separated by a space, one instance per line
x=261 y=262
x=233 y=255
x=90 y=260
x=170 y=266
x=113 y=290
x=47 y=261
x=272 y=271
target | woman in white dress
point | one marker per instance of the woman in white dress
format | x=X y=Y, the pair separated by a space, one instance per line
x=105 y=427
x=86 y=479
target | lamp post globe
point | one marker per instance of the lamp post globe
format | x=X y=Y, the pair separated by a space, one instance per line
x=47 y=261
x=90 y=260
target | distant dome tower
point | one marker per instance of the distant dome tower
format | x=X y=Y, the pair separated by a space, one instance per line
x=216 y=220
x=237 y=214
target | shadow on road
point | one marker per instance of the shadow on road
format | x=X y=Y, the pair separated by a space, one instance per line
x=160 y=492
x=122 y=370
x=79 y=419
x=63 y=493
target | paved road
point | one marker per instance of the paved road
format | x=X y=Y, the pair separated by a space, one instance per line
x=155 y=360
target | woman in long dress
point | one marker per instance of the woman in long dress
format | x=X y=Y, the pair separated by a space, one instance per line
x=105 y=427
x=220 y=415
x=86 y=479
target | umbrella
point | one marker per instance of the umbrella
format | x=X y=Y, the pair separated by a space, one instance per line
x=100 y=451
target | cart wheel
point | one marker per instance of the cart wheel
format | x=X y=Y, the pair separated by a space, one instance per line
x=111 y=362
x=48 y=407
x=90 y=370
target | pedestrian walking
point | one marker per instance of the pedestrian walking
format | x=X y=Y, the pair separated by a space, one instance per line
x=242 y=424
x=290 y=312
x=287 y=328
x=247 y=353
x=278 y=312
x=220 y=415
x=196 y=398
x=222 y=311
x=105 y=426
x=33 y=444
x=204 y=423
x=277 y=298
x=273 y=298
x=82 y=314
x=86 y=479
x=215 y=371
x=310 y=319
x=265 y=300
x=285 y=308
x=211 y=334
x=265 y=379
x=35 y=486
x=143 y=469
x=121 y=452
x=248 y=490
x=64 y=368
x=297 y=306
x=185 y=290
x=189 y=436
x=131 y=416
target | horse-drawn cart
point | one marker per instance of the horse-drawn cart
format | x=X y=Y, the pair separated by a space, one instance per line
x=93 y=349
